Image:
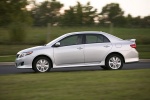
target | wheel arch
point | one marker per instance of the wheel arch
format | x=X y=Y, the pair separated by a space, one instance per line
x=43 y=56
x=117 y=54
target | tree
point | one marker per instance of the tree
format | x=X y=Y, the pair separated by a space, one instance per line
x=138 y=21
x=89 y=13
x=129 y=20
x=47 y=12
x=114 y=14
x=13 y=11
x=69 y=18
x=146 y=22
x=79 y=15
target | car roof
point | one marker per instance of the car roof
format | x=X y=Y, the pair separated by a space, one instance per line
x=111 y=37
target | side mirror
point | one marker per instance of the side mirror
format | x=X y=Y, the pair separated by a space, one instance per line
x=57 y=44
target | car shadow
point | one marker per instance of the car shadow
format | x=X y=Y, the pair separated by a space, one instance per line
x=68 y=69
x=88 y=68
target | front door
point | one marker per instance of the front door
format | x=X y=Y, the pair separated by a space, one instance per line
x=70 y=51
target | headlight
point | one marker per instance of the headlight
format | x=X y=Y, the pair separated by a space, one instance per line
x=25 y=54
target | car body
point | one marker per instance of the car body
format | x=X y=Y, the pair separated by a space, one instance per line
x=86 y=48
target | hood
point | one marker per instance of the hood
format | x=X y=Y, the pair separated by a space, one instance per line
x=31 y=49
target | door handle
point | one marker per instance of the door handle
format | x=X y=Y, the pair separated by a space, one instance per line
x=106 y=46
x=79 y=48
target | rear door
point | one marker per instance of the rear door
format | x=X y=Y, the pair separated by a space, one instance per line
x=96 y=48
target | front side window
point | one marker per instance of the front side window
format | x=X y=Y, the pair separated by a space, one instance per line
x=96 y=38
x=71 y=40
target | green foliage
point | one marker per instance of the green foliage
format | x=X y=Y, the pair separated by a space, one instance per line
x=145 y=22
x=79 y=15
x=113 y=13
x=38 y=35
x=12 y=11
x=47 y=12
x=17 y=32
x=138 y=21
x=113 y=10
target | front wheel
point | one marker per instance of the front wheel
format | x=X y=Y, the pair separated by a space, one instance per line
x=41 y=64
x=114 y=62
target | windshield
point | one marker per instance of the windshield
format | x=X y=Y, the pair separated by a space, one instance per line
x=55 y=40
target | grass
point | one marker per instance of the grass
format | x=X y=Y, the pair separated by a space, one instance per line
x=12 y=49
x=144 y=51
x=39 y=35
x=87 y=85
x=10 y=58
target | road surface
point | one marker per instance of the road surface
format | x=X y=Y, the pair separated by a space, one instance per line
x=11 y=69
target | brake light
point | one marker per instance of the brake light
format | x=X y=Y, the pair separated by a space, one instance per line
x=133 y=45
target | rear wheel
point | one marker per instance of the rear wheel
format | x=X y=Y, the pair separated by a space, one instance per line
x=114 y=62
x=41 y=64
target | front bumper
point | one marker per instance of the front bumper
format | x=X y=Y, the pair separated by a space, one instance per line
x=24 y=62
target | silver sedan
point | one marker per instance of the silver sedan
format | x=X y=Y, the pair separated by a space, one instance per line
x=88 y=48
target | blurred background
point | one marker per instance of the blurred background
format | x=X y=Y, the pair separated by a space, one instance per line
x=27 y=23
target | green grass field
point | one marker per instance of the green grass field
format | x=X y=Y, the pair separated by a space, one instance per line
x=38 y=36
x=78 y=85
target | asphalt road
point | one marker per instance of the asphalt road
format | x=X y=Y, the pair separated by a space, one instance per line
x=11 y=69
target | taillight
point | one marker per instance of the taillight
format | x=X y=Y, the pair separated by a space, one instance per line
x=133 y=45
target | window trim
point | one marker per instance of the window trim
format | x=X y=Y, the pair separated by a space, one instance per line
x=84 y=38
x=78 y=35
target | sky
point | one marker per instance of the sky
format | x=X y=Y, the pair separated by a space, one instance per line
x=133 y=7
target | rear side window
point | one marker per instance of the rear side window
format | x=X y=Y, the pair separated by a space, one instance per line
x=105 y=39
x=96 y=38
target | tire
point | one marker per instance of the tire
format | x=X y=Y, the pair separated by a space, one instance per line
x=114 y=62
x=41 y=64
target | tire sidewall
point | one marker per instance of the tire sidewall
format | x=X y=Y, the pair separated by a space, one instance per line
x=107 y=61
x=35 y=62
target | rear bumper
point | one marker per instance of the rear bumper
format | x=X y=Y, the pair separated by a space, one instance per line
x=131 y=56
x=132 y=62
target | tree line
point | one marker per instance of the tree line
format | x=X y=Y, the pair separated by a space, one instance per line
x=14 y=11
